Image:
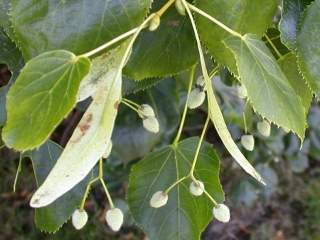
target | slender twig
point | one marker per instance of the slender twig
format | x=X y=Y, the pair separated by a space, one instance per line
x=220 y=24
x=273 y=46
x=160 y=12
x=245 y=122
x=111 y=42
x=211 y=198
x=99 y=177
x=130 y=106
x=107 y=192
x=184 y=114
x=176 y=183
x=164 y=8
x=17 y=173
x=131 y=102
x=199 y=147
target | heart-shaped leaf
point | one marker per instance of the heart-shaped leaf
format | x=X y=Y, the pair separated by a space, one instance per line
x=74 y=25
x=239 y=15
x=308 y=46
x=46 y=91
x=90 y=139
x=269 y=90
x=184 y=216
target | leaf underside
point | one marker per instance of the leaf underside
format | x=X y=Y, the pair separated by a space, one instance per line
x=269 y=90
x=288 y=64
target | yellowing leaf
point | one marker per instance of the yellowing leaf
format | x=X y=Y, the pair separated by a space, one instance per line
x=89 y=140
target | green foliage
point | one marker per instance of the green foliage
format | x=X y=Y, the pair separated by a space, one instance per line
x=172 y=45
x=3 y=113
x=308 y=46
x=93 y=51
x=239 y=15
x=51 y=218
x=4 y=17
x=288 y=64
x=90 y=139
x=130 y=140
x=77 y=26
x=268 y=89
x=46 y=90
x=292 y=10
x=9 y=54
x=185 y=216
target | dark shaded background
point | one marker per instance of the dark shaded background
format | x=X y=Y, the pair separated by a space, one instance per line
x=288 y=208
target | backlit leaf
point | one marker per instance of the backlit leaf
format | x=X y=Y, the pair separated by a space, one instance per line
x=46 y=91
x=269 y=90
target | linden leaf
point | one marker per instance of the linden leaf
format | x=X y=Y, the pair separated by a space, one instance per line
x=239 y=15
x=269 y=90
x=184 y=216
x=288 y=64
x=292 y=10
x=308 y=46
x=75 y=25
x=90 y=138
x=172 y=45
x=46 y=91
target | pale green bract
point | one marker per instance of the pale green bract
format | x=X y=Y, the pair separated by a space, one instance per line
x=223 y=132
x=90 y=84
x=216 y=114
x=89 y=140
x=43 y=94
x=269 y=90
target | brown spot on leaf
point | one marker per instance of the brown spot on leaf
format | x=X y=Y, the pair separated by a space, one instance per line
x=116 y=105
x=85 y=125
